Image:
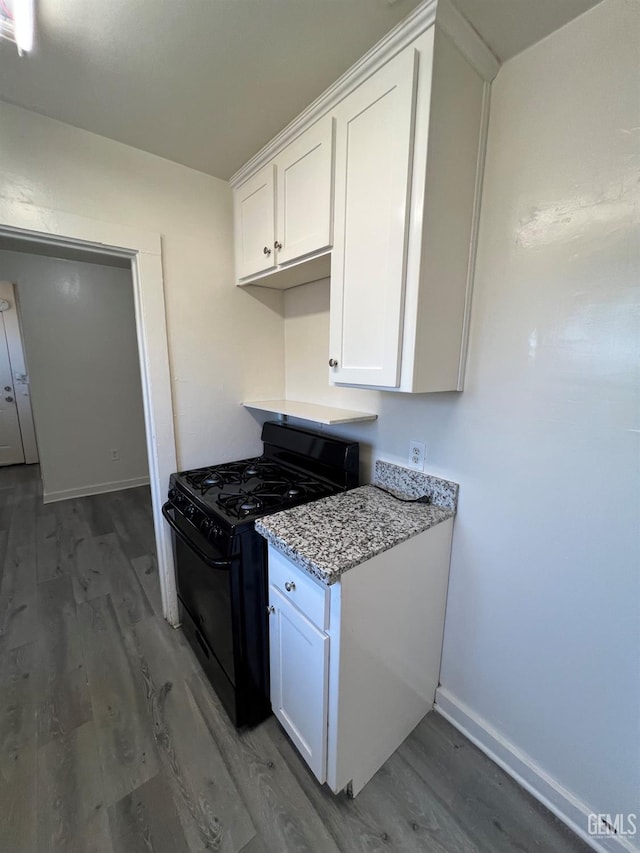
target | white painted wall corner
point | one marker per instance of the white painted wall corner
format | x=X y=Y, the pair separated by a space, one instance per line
x=521 y=767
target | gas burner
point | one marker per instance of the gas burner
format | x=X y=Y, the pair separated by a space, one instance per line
x=265 y=471
x=302 y=489
x=253 y=468
x=216 y=477
x=242 y=504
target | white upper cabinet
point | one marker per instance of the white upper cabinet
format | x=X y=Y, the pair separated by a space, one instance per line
x=304 y=193
x=374 y=142
x=409 y=154
x=284 y=213
x=409 y=123
x=255 y=224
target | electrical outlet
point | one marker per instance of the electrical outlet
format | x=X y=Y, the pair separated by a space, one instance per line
x=115 y=455
x=417 y=452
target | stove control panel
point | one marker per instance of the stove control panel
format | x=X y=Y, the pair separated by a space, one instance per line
x=178 y=500
x=204 y=523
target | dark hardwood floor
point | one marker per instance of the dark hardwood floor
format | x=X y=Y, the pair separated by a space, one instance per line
x=112 y=740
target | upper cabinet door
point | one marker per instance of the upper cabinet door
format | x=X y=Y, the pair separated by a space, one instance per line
x=254 y=207
x=374 y=135
x=305 y=193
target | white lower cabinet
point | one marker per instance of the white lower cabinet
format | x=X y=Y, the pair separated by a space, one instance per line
x=299 y=680
x=354 y=666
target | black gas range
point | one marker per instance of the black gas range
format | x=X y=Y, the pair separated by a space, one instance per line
x=221 y=562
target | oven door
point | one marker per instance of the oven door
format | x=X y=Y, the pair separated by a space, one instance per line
x=206 y=582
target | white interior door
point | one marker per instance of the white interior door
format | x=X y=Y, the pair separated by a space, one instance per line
x=11 y=449
x=14 y=383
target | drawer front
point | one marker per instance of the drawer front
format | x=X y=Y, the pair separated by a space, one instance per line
x=308 y=595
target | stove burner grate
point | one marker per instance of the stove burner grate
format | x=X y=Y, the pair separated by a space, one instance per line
x=243 y=503
x=237 y=473
x=209 y=478
x=270 y=494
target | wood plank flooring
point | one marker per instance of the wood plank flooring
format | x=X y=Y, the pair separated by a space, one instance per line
x=112 y=740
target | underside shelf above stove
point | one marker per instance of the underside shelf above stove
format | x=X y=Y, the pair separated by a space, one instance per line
x=310 y=411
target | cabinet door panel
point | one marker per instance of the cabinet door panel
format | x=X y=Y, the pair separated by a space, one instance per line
x=374 y=135
x=304 y=195
x=299 y=658
x=254 y=204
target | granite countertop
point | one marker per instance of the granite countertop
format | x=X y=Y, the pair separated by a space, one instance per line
x=331 y=535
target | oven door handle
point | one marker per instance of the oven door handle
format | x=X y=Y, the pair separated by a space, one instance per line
x=209 y=561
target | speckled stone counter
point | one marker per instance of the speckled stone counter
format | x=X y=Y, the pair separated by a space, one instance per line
x=329 y=536
x=406 y=483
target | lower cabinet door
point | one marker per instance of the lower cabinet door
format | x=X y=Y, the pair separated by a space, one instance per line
x=299 y=657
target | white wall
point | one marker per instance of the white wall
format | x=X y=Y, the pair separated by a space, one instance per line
x=542 y=634
x=542 y=624
x=225 y=345
x=79 y=331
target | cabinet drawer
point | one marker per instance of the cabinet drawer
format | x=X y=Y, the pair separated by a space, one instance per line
x=308 y=595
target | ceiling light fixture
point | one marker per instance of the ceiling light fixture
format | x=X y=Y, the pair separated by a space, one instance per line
x=23 y=20
x=17 y=23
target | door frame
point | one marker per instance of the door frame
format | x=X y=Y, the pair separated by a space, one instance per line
x=144 y=250
x=15 y=347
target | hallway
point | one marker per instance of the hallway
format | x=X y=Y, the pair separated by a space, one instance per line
x=111 y=741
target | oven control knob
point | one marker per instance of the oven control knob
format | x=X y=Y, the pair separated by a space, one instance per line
x=206 y=525
x=172 y=494
x=191 y=512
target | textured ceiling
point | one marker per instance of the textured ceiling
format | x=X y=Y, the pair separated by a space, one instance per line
x=510 y=26
x=207 y=83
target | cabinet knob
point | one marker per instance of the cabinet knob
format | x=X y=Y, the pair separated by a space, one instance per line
x=333 y=362
x=277 y=245
x=267 y=250
x=290 y=586
x=271 y=609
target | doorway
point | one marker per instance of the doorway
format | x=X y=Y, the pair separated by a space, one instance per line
x=143 y=251
x=78 y=326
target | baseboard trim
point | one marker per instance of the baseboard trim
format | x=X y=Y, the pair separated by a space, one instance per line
x=95 y=489
x=564 y=805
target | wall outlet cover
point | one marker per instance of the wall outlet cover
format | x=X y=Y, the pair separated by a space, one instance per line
x=417 y=451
